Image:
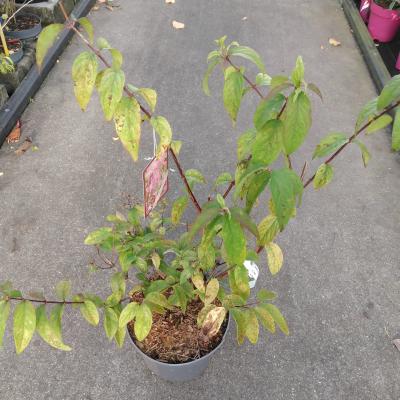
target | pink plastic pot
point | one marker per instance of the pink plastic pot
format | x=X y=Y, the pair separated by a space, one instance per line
x=364 y=9
x=383 y=23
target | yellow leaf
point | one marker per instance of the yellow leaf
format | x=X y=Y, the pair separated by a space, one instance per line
x=333 y=42
x=275 y=257
x=178 y=25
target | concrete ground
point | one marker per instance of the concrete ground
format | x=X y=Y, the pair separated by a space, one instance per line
x=340 y=284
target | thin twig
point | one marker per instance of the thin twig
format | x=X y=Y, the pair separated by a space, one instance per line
x=351 y=139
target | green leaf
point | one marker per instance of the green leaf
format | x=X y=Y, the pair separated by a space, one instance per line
x=63 y=289
x=268 y=109
x=176 y=146
x=24 y=325
x=256 y=186
x=89 y=312
x=277 y=316
x=223 y=179
x=265 y=295
x=249 y=54
x=242 y=181
x=178 y=208
x=179 y=298
x=367 y=112
x=314 y=88
x=157 y=299
x=150 y=95
x=128 y=125
x=380 y=123
x=84 y=72
x=206 y=216
x=268 y=228
x=143 y=322
x=279 y=80
x=268 y=143
x=265 y=317
x=193 y=176
x=163 y=129
x=274 y=257
x=329 y=144
x=4 y=314
x=245 y=143
x=240 y=318
x=56 y=320
x=233 y=92
x=121 y=332
x=298 y=72
x=49 y=332
x=118 y=283
x=211 y=291
x=88 y=27
x=234 y=241
x=244 y=220
x=103 y=44
x=110 y=322
x=239 y=281
x=390 y=93
x=117 y=59
x=263 y=79
x=297 y=122
x=252 y=327
x=396 y=132
x=110 y=89
x=323 y=176
x=286 y=188
x=214 y=62
x=46 y=39
x=98 y=236
x=128 y=314
x=366 y=156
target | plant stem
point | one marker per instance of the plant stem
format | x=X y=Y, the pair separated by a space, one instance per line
x=230 y=187
x=182 y=174
x=53 y=301
x=252 y=85
x=351 y=139
x=97 y=52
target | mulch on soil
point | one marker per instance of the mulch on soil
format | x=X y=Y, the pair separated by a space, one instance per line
x=175 y=337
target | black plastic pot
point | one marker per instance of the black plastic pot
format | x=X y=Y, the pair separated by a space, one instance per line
x=26 y=33
x=180 y=372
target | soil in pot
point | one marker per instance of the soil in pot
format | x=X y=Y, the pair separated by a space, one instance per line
x=175 y=337
x=14 y=48
x=22 y=22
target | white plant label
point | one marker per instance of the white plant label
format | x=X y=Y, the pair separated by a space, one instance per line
x=253 y=272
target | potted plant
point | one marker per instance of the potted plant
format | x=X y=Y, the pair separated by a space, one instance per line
x=384 y=19
x=177 y=287
x=20 y=25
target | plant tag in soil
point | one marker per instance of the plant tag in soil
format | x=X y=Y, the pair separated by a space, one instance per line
x=253 y=272
x=155 y=182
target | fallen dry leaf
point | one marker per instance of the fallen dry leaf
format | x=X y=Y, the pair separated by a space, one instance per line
x=15 y=134
x=334 y=42
x=24 y=146
x=170 y=1
x=244 y=18
x=178 y=25
x=396 y=342
x=110 y=8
